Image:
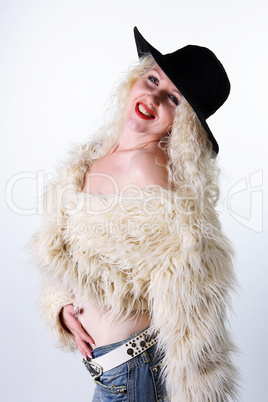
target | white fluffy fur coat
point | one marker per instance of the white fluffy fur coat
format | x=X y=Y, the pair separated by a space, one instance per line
x=139 y=252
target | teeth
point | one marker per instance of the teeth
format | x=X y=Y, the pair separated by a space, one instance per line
x=144 y=111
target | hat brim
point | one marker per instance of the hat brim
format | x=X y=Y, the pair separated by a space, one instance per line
x=143 y=48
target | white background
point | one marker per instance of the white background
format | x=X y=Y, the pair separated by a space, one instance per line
x=59 y=61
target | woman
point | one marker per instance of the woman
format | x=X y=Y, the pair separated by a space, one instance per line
x=136 y=269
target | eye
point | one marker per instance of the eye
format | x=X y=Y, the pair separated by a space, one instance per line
x=174 y=99
x=153 y=79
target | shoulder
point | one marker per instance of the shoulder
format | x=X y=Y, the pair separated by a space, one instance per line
x=149 y=168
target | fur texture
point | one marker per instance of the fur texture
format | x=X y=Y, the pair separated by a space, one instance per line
x=139 y=252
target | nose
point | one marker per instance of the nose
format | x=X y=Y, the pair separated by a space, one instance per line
x=155 y=97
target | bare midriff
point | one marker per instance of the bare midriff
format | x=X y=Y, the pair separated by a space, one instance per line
x=104 y=329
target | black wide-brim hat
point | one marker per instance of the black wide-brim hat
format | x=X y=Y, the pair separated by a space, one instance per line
x=197 y=74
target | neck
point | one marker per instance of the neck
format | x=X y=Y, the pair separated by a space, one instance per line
x=130 y=140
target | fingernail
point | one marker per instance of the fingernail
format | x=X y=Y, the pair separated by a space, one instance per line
x=89 y=355
x=76 y=312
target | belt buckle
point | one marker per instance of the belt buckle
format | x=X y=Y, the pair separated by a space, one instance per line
x=94 y=368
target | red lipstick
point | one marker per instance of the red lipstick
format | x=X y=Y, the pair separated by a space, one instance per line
x=141 y=115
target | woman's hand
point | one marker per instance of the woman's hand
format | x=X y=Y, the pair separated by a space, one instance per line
x=69 y=320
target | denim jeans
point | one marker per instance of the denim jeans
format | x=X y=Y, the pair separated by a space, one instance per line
x=137 y=380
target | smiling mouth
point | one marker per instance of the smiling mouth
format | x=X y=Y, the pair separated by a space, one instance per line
x=143 y=111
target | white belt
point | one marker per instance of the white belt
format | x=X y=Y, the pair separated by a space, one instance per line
x=121 y=354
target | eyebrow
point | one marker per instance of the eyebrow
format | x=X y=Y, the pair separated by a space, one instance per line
x=175 y=90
